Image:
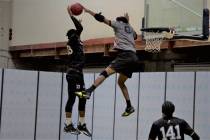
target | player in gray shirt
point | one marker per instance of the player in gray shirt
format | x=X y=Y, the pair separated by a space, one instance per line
x=124 y=35
x=125 y=60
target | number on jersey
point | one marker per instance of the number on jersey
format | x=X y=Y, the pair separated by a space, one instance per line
x=173 y=133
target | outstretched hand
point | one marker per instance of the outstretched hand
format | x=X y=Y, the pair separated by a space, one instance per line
x=98 y=16
x=126 y=16
x=69 y=11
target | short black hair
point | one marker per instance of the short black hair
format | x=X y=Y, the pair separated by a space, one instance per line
x=168 y=108
x=122 y=18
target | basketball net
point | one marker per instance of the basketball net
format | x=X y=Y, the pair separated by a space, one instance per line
x=153 y=41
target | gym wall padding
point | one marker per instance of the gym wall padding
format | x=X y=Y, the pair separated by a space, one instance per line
x=33 y=104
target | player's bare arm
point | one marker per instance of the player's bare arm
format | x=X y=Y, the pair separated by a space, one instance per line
x=69 y=11
x=98 y=16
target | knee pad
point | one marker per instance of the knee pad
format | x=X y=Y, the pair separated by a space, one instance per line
x=104 y=73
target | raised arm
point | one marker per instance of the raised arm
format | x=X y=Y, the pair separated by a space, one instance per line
x=126 y=16
x=76 y=22
x=98 y=16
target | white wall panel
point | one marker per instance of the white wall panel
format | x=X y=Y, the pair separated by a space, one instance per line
x=202 y=105
x=104 y=109
x=48 y=114
x=18 y=109
x=0 y=86
x=103 y=112
x=1 y=94
x=152 y=89
x=89 y=78
x=180 y=90
x=123 y=124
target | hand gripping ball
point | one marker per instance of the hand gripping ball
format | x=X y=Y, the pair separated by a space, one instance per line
x=76 y=9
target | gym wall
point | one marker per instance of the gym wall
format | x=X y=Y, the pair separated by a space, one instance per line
x=38 y=21
x=33 y=103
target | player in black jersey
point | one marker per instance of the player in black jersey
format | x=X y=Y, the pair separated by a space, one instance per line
x=75 y=78
x=169 y=127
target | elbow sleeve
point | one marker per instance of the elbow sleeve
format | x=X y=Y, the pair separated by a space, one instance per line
x=99 y=17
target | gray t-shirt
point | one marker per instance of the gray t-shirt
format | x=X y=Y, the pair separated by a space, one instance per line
x=124 y=36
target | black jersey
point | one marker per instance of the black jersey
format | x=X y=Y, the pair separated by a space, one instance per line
x=170 y=129
x=76 y=58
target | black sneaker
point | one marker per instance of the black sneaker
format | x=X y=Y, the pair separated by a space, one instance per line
x=70 y=129
x=83 y=94
x=84 y=130
x=128 y=111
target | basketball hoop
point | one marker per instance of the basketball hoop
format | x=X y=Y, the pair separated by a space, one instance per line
x=154 y=38
x=153 y=41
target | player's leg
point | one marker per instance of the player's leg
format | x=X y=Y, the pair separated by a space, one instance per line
x=121 y=82
x=69 y=127
x=99 y=80
x=103 y=75
x=82 y=124
x=123 y=64
x=81 y=107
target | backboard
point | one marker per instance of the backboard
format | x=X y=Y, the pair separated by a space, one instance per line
x=188 y=17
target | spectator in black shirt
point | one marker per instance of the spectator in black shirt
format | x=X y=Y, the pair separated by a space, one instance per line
x=169 y=127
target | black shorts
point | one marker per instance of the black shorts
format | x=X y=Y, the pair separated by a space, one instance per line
x=75 y=81
x=125 y=63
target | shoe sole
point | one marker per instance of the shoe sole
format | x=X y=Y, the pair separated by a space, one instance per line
x=85 y=133
x=74 y=133
x=128 y=113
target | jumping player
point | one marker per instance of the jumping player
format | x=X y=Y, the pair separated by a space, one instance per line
x=126 y=57
x=169 y=127
x=75 y=78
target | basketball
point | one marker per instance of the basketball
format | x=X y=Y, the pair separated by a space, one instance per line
x=76 y=9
